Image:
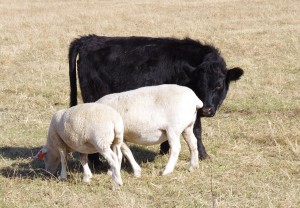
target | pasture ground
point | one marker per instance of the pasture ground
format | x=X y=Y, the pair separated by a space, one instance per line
x=253 y=141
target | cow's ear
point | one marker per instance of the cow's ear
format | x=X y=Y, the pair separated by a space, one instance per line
x=234 y=74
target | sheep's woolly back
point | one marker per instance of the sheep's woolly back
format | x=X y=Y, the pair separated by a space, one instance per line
x=83 y=126
x=149 y=112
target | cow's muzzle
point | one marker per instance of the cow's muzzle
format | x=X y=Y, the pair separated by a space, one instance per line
x=207 y=111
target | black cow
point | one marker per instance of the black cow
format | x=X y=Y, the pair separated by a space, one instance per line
x=115 y=64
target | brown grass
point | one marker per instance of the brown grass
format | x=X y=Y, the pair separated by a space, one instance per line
x=253 y=141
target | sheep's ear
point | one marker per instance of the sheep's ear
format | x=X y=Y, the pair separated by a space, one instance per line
x=40 y=155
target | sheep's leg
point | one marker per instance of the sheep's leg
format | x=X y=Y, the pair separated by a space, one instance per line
x=118 y=140
x=112 y=160
x=114 y=149
x=117 y=150
x=128 y=154
x=191 y=141
x=63 y=160
x=87 y=174
x=175 y=147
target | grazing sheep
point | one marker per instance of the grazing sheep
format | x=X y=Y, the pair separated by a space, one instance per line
x=155 y=114
x=85 y=128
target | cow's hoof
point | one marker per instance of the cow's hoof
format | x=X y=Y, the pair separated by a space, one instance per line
x=192 y=168
x=204 y=157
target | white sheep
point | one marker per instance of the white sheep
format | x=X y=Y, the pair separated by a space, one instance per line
x=152 y=115
x=85 y=128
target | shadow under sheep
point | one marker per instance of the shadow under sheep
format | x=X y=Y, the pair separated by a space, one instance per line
x=34 y=169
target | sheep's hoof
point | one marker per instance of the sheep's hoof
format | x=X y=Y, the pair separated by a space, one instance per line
x=166 y=172
x=109 y=172
x=192 y=168
x=137 y=173
x=86 y=180
x=116 y=183
x=204 y=157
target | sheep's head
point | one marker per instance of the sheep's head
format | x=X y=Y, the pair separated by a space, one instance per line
x=51 y=159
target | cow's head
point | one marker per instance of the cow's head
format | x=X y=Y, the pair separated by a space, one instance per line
x=51 y=159
x=210 y=82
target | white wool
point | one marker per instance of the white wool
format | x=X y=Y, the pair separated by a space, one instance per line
x=152 y=115
x=85 y=128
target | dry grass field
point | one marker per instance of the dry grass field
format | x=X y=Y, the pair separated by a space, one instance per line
x=253 y=141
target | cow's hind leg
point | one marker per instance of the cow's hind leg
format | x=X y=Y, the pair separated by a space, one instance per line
x=94 y=159
x=164 y=148
x=198 y=133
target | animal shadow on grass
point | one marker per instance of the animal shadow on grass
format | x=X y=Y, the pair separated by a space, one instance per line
x=141 y=155
x=27 y=167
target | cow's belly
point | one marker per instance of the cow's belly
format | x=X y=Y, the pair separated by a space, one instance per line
x=145 y=137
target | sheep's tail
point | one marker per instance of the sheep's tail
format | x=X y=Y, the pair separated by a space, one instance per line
x=119 y=133
x=199 y=103
x=118 y=141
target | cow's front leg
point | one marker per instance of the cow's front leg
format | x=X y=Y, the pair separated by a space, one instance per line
x=94 y=159
x=198 y=131
x=164 y=148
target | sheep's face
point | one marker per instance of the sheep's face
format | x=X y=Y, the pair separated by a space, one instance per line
x=51 y=159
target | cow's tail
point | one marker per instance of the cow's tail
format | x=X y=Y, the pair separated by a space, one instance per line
x=73 y=51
